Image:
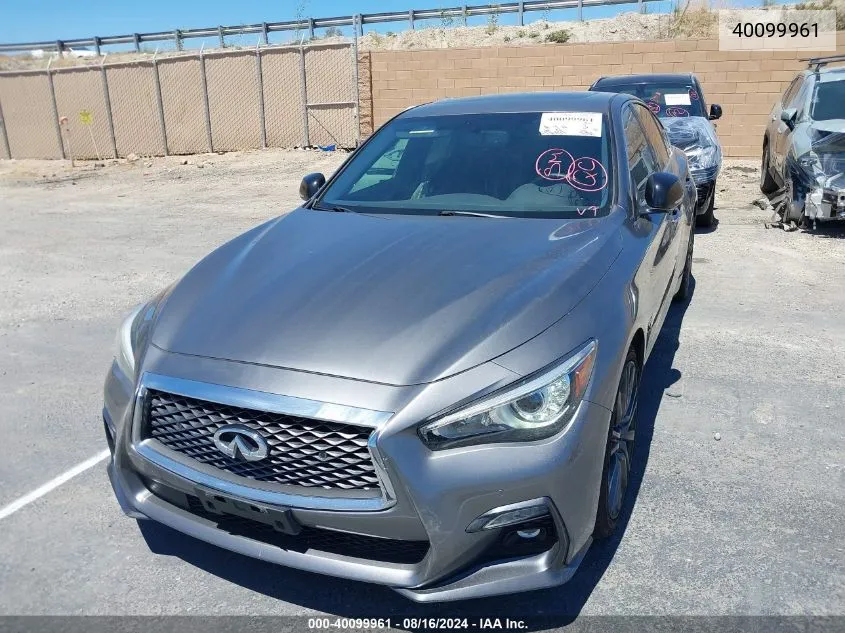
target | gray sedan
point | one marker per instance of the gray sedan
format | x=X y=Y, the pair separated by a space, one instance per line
x=426 y=376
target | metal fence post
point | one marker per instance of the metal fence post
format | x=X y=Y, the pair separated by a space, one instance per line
x=521 y=13
x=220 y=37
x=5 y=133
x=265 y=37
x=177 y=36
x=56 y=113
x=261 y=121
x=205 y=106
x=580 y=10
x=464 y=14
x=411 y=19
x=310 y=29
x=357 y=92
x=640 y=5
x=359 y=25
x=107 y=100
x=160 y=103
x=304 y=90
x=97 y=45
x=137 y=38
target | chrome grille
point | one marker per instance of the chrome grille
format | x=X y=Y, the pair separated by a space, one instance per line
x=303 y=451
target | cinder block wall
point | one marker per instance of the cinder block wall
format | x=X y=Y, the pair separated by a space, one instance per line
x=746 y=84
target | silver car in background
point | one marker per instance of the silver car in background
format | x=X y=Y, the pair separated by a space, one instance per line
x=804 y=146
x=427 y=375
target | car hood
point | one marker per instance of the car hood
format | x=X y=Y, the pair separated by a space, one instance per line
x=696 y=136
x=391 y=299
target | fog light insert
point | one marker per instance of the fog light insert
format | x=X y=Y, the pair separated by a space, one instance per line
x=509 y=515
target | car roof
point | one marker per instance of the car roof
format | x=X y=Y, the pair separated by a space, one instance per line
x=655 y=78
x=517 y=102
x=824 y=71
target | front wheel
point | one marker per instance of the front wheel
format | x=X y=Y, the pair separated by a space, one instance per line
x=685 y=289
x=767 y=183
x=706 y=218
x=620 y=448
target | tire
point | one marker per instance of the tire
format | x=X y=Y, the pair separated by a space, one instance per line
x=790 y=213
x=706 y=218
x=685 y=289
x=620 y=448
x=767 y=183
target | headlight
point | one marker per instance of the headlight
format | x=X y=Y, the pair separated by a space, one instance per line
x=124 y=353
x=135 y=329
x=809 y=161
x=535 y=408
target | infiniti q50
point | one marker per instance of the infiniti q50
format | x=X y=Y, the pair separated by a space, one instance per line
x=425 y=376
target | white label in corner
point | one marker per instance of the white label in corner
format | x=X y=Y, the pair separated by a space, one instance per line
x=677 y=99
x=571 y=124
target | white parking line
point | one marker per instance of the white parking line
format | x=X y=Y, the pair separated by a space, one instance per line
x=52 y=484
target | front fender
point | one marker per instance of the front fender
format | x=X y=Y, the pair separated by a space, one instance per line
x=610 y=314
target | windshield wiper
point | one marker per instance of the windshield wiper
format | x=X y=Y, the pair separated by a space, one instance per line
x=335 y=208
x=474 y=214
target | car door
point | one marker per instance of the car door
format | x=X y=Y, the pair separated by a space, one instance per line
x=659 y=259
x=774 y=124
x=782 y=131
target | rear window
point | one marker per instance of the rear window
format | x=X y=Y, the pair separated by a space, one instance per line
x=828 y=100
x=666 y=100
x=516 y=164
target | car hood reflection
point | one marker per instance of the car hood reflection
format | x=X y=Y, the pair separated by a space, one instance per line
x=391 y=299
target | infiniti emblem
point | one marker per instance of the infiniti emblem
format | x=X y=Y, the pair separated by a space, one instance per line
x=241 y=442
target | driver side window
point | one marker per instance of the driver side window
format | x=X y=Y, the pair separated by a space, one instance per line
x=790 y=92
x=641 y=159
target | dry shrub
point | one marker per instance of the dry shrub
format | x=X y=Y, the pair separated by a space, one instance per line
x=818 y=5
x=694 y=20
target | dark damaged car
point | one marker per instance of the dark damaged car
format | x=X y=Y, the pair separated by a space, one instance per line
x=804 y=146
x=678 y=101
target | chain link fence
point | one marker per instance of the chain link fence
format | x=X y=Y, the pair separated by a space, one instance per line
x=191 y=103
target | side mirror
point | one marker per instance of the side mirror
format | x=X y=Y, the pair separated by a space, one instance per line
x=715 y=111
x=310 y=185
x=663 y=192
x=788 y=116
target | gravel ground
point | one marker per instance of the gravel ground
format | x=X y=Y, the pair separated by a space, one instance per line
x=747 y=524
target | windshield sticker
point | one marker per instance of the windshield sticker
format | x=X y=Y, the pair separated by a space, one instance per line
x=587 y=174
x=554 y=164
x=584 y=174
x=677 y=99
x=676 y=111
x=571 y=124
x=653 y=106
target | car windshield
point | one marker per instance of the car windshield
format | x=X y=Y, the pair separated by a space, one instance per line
x=529 y=164
x=828 y=98
x=667 y=101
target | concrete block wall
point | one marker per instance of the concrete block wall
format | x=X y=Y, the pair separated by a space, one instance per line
x=745 y=83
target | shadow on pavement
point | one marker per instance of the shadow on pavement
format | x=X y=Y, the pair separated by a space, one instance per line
x=547 y=608
x=707 y=229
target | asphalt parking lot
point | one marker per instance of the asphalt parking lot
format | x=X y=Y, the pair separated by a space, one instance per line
x=747 y=524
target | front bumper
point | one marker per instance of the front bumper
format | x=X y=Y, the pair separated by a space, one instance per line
x=825 y=203
x=434 y=497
